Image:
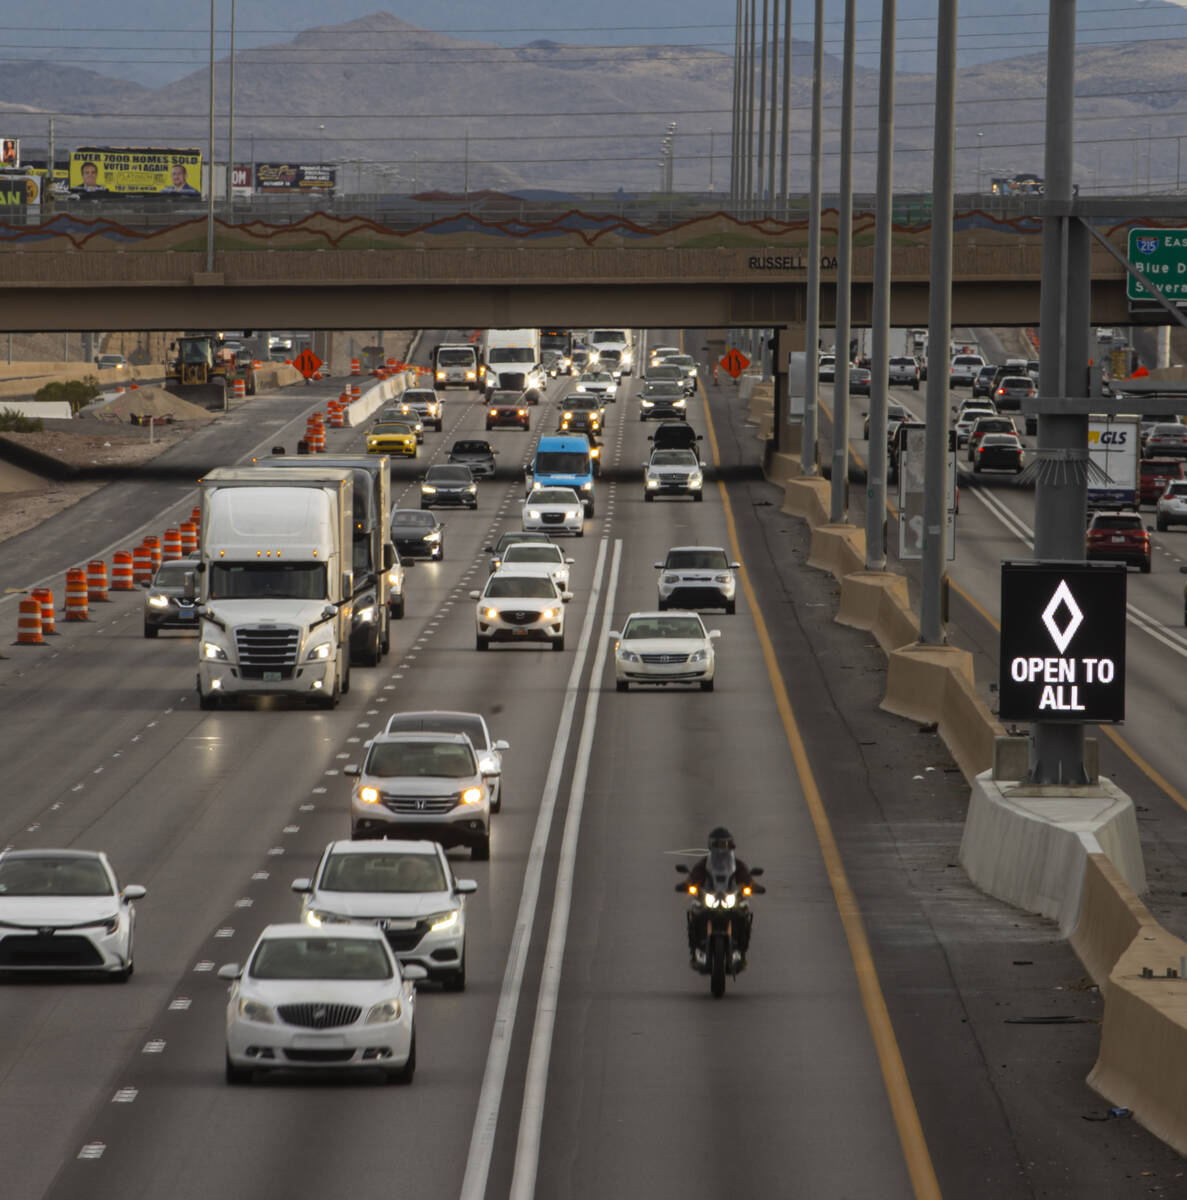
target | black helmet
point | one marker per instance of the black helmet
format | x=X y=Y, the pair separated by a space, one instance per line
x=721 y=839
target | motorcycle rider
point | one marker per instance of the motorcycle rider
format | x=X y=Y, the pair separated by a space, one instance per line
x=719 y=861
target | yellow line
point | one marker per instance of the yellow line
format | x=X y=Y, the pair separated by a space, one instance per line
x=894 y=1073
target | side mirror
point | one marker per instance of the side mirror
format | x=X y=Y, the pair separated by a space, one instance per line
x=475 y=595
x=659 y=566
x=413 y=972
x=1149 y=528
x=682 y=868
x=134 y=891
x=389 y=556
x=566 y=596
x=502 y=745
x=614 y=635
x=488 y=549
x=465 y=887
x=1183 y=570
x=570 y=561
x=735 y=566
x=302 y=886
x=351 y=769
x=230 y=971
x=714 y=634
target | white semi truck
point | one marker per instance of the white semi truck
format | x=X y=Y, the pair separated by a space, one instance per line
x=1115 y=449
x=274 y=577
x=512 y=360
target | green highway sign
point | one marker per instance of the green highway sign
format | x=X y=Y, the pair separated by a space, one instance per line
x=1161 y=255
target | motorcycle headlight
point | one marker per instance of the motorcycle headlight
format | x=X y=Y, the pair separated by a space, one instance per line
x=253 y=1010
x=363 y=616
x=319 y=653
x=731 y=898
x=156 y=600
x=490 y=613
x=213 y=650
x=385 y=1011
x=710 y=900
x=472 y=795
x=445 y=920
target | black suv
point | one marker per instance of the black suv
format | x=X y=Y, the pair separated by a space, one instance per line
x=676 y=435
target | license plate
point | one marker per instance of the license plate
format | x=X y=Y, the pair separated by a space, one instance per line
x=1117 y=538
x=398 y=923
x=311 y=1041
x=271 y=676
x=187 y=614
x=519 y=633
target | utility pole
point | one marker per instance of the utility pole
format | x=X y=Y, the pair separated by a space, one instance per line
x=736 y=116
x=760 y=181
x=231 y=123
x=48 y=198
x=210 y=168
x=749 y=185
x=785 y=155
x=812 y=304
x=769 y=210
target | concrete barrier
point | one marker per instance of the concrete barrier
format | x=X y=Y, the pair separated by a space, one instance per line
x=879 y=602
x=276 y=375
x=809 y=499
x=838 y=549
x=375 y=397
x=1111 y=916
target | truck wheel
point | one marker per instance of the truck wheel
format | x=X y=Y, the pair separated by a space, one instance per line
x=206 y=702
x=698 y=496
x=398 y=609
x=346 y=677
x=1146 y=567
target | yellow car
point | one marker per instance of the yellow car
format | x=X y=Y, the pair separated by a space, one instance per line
x=392 y=437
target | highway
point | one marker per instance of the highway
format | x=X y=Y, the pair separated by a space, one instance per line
x=856 y=1058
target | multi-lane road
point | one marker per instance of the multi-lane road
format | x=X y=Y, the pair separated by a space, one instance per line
x=857 y=1057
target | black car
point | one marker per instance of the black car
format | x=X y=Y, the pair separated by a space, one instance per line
x=581 y=421
x=417 y=534
x=984 y=383
x=165 y=603
x=998 y=452
x=476 y=454
x=662 y=399
x=675 y=435
x=448 y=483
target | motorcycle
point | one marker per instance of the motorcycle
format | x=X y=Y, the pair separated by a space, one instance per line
x=719 y=919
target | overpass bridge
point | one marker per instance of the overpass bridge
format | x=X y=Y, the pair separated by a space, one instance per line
x=509 y=261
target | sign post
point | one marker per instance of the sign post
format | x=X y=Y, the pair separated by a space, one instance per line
x=1062 y=651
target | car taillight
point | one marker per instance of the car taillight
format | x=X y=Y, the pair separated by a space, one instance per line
x=1001 y=391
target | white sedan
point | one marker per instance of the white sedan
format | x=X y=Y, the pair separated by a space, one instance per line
x=315 y=999
x=519 y=608
x=554 y=510
x=662 y=648
x=538 y=558
x=407 y=889
x=62 y=910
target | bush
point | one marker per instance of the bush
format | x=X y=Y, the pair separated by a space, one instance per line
x=13 y=422
x=78 y=393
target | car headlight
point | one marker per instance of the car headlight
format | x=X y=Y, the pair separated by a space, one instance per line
x=534 y=513
x=548 y=614
x=697 y=656
x=318 y=653
x=213 y=650
x=628 y=656
x=318 y=917
x=369 y=795
x=433 y=536
x=393 y=577
x=427 y=489
x=445 y=920
x=109 y=925
x=652 y=483
x=647 y=403
x=156 y=600
x=671 y=579
x=253 y=1010
x=472 y=488
x=385 y=1011
x=679 y=403
x=490 y=613
x=571 y=514
x=472 y=795
x=488 y=764
x=722 y=578
x=587 y=486
x=362 y=616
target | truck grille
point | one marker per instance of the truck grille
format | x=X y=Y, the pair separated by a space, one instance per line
x=319 y=1016
x=420 y=804
x=267 y=648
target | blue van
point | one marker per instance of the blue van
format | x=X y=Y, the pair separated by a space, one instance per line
x=564 y=460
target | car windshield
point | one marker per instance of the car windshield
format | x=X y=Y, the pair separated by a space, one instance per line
x=561 y=462
x=445 y=474
x=320 y=958
x=537 y=554
x=1107 y=521
x=471 y=724
x=556 y=495
x=505 y=399
x=54 y=875
x=411 y=516
x=392 y=427
x=661 y=388
x=664 y=371
x=256 y=580
x=511 y=354
x=455 y=358
x=705 y=560
x=596 y=377
x=674 y=458
x=520 y=537
x=420 y=396
x=972 y=415
x=680 y=360
x=663 y=627
x=1176 y=489
x=172 y=575
x=608 y=355
x=896 y=412
x=383 y=872
x=482 y=448
x=438 y=760
x=526 y=587
x=607 y=335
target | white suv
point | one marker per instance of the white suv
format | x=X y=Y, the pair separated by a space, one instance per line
x=697 y=577
x=1172 y=506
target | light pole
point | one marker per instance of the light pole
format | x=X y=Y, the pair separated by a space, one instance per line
x=321 y=144
x=231 y=122
x=980 y=136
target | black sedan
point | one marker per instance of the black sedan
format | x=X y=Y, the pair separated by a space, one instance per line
x=165 y=603
x=448 y=483
x=662 y=399
x=476 y=454
x=998 y=452
x=417 y=534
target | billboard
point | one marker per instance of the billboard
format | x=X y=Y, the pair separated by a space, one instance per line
x=135 y=171
x=295 y=177
x=10 y=153
x=241 y=179
x=19 y=191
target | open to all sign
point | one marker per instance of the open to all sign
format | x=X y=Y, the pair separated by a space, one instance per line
x=1061 y=679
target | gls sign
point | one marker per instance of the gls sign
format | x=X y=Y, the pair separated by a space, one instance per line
x=1062 y=654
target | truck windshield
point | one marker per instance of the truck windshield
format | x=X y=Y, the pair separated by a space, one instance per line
x=252 y=580
x=455 y=358
x=562 y=462
x=511 y=354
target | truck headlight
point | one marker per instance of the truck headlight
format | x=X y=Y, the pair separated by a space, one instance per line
x=318 y=653
x=587 y=486
x=393 y=577
x=362 y=616
x=441 y=375
x=211 y=650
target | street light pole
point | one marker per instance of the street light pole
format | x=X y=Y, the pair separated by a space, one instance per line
x=210 y=170
x=812 y=301
x=785 y=147
x=770 y=206
x=231 y=122
x=980 y=137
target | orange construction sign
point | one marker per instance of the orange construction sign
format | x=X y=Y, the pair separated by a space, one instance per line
x=307 y=363
x=734 y=363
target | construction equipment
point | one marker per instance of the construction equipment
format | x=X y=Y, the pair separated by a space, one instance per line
x=201 y=370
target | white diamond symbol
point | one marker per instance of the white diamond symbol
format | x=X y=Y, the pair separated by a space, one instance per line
x=1062 y=595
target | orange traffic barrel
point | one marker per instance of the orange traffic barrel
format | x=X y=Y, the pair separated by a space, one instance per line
x=239 y=389
x=154 y=548
x=96 y=580
x=196 y=514
x=344 y=399
x=77 y=608
x=28 y=623
x=354 y=366
x=142 y=565
x=171 y=547
x=317 y=376
x=189 y=537
x=356 y=391
x=46 y=598
x=335 y=411
x=123 y=575
x=391 y=364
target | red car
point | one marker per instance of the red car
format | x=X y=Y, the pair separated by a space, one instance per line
x=1156 y=474
x=508 y=408
x=1120 y=537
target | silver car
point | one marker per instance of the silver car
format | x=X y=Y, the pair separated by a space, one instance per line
x=673 y=473
x=1172 y=506
x=425 y=405
x=405 y=888
x=165 y=603
x=473 y=725
x=426 y=785
x=697 y=577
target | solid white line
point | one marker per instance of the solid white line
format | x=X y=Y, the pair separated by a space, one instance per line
x=482 y=1139
x=531 y=1119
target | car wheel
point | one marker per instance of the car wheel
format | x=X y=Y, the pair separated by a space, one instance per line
x=423 y=505
x=976 y=468
x=481 y=643
x=496 y=805
x=1160 y=523
x=621 y=685
x=346 y=679
x=480 y=851
x=915 y=385
x=404 y=1074
x=698 y=496
x=581 y=533
x=661 y=606
x=1146 y=567
x=237 y=1075
x=647 y=496
x=706 y=685
x=730 y=606
x=559 y=643
x=152 y=630
x=398 y=609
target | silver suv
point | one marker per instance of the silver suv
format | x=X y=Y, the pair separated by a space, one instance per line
x=697 y=577
x=422 y=785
